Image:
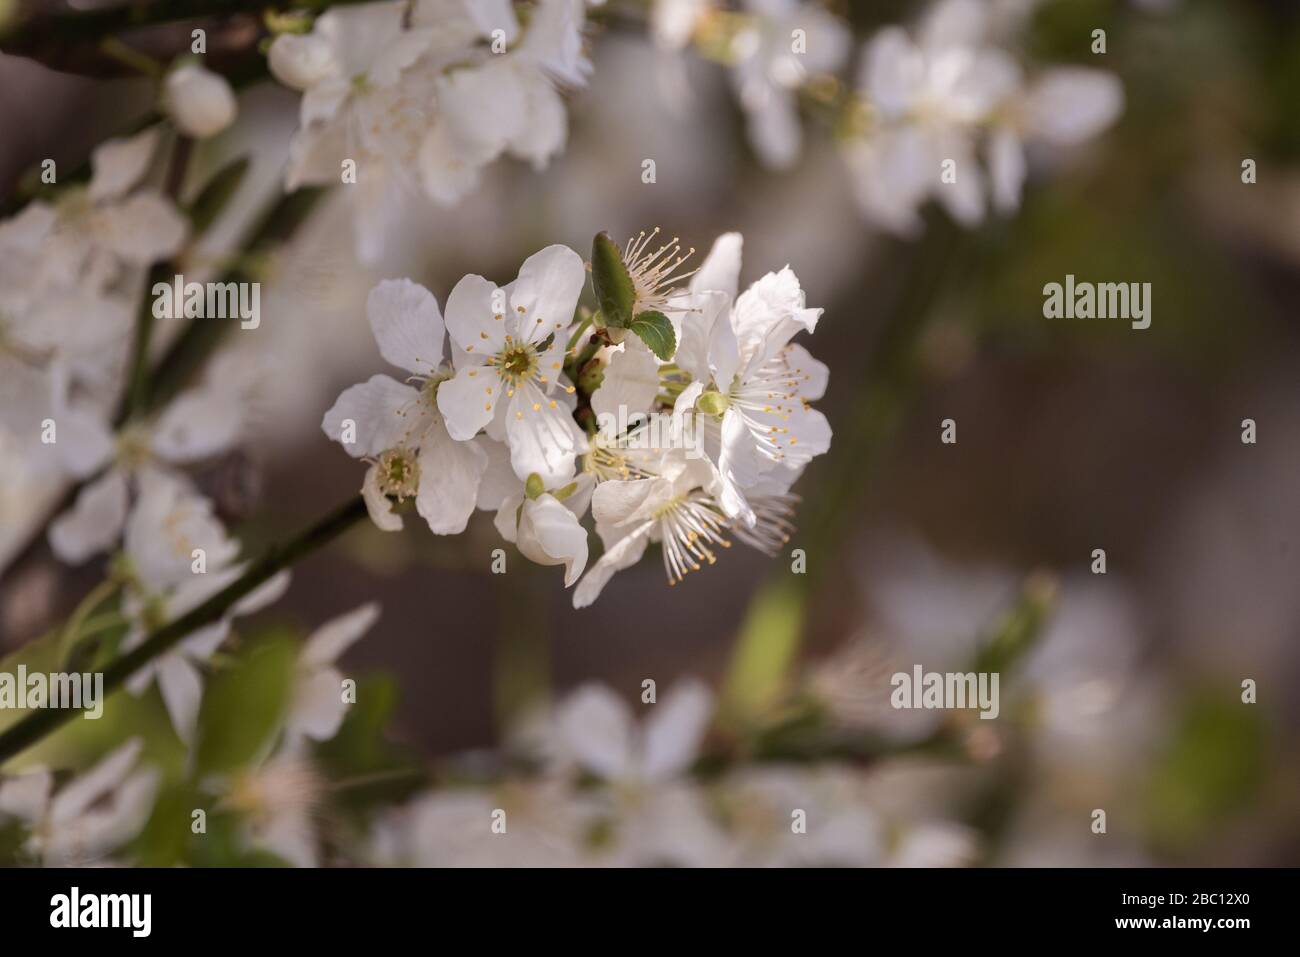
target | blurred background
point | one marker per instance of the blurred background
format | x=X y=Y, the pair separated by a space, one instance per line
x=1072 y=435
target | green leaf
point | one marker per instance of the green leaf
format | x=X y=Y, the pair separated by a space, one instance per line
x=764 y=652
x=609 y=278
x=1209 y=772
x=245 y=705
x=656 y=332
x=216 y=193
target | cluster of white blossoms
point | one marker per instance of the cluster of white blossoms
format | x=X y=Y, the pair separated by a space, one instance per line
x=927 y=104
x=88 y=817
x=773 y=47
x=70 y=274
x=612 y=791
x=424 y=95
x=275 y=798
x=934 y=99
x=695 y=413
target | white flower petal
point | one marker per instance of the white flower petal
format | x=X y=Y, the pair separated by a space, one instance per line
x=812 y=374
x=1071 y=104
x=377 y=504
x=543 y=440
x=468 y=400
x=118 y=164
x=318 y=706
x=630 y=384
x=449 y=479
x=89 y=786
x=407 y=325
x=182 y=691
x=550 y=534
x=954 y=23
x=773 y=126
x=621 y=554
x=203 y=643
x=498 y=481
x=264 y=595
x=373 y=408
x=596 y=729
x=476 y=317
x=675 y=728
x=334 y=637
x=95 y=521
x=720 y=271
x=142 y=229
x=201 y=423
x=775 y=299
x=506 y=520
x=1006 y=170
x=548 y=287
x=964 y=198
x=546 y=124
x=27 y=795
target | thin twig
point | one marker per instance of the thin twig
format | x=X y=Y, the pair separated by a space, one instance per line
x=38 y=724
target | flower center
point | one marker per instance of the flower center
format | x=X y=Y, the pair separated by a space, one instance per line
x=399 y=473
x=516 y=363
x=133 y=450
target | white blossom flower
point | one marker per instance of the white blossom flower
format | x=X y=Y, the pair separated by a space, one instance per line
x=751 y=387
x=935 y=844
x=657 y=814
x=48 y=317
x=317 y=708
x=791 y=816
x=92 y=815
x=934 y=102
x=781 y=44
x=401 y=428
x=199 y=424
x=35 y=398
x=200 y=102
x=426 y=104
x=112 y=223
x=672 y=508
x=1062 y=108
x=595 y=730
x=510 y=345
x=361 y=102
x=176 y=556
x=278 y=801
x=928 y=97
x=505 y=103
x=517 y=824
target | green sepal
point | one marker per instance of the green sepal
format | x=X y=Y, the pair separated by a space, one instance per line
x=615 y=293
x=656 y=332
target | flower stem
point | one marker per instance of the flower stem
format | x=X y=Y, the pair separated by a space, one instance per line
x=38 y=724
